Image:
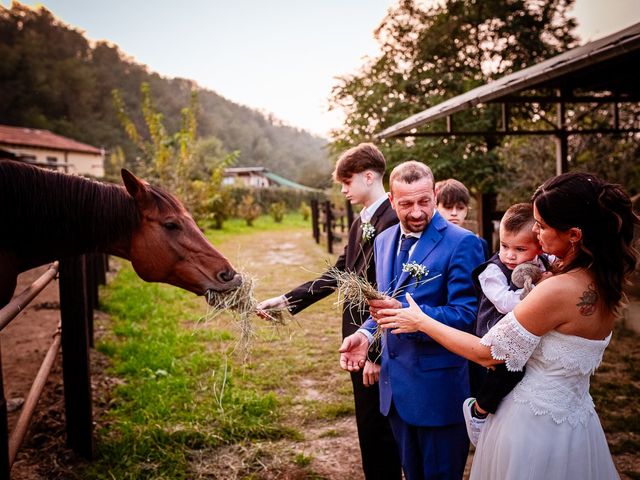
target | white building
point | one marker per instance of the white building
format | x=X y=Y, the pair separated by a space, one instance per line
x=259 y=177
x=44 y=148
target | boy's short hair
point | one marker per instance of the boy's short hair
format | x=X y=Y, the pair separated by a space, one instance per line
x=365 y=156
x=451 y=192
x=409 y=172
x=517 y=217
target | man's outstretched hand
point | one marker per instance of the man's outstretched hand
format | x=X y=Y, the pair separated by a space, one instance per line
x=353 y=352
x=275 y=303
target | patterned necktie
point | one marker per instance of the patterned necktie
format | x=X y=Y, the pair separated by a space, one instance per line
x=406 y=243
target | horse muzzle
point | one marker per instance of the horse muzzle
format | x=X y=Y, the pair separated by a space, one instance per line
x=226 y=280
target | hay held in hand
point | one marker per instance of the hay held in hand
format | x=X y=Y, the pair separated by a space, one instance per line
x=353 y=290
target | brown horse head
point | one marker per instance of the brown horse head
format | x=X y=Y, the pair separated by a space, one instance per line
x=169 y=247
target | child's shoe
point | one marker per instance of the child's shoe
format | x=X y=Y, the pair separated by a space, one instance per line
x=474 y=424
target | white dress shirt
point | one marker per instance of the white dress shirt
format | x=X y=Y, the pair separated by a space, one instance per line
x=366 y=214
x=495 y=287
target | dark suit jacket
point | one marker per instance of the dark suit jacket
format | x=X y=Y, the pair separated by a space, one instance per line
x=357 y=257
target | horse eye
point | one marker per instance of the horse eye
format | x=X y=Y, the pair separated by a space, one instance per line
x=171 y=226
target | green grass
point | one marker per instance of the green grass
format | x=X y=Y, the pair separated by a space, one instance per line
x=615 y=391
x=237 y=226
x=176 y=394
x=180 y=388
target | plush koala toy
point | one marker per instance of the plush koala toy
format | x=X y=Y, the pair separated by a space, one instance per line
x=525 y=276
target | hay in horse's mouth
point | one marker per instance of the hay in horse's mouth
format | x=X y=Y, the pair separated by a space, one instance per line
x=242 y=305
x=239 y=299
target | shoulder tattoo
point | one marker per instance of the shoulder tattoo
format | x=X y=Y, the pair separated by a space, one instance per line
x=587 y=304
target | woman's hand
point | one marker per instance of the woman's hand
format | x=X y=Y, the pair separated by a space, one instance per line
x=403 y=320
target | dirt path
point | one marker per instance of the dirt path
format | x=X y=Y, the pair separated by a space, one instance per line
x=282 y=261
x=328 y=447
x=24 y=344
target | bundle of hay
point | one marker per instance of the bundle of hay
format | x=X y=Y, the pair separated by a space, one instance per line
x=353 y=290
x=242 y=305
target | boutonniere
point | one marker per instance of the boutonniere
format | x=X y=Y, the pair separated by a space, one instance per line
x=368 y=232
x=415 y=269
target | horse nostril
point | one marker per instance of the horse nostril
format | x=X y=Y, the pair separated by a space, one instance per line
x=226 y=275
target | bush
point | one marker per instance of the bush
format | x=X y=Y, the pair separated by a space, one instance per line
x=277 y=211
x=220 y=207
x=249 y=210
x=264 y=197
x=305 y=210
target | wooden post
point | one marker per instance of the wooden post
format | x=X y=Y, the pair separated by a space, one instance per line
x=562 y=143
x=349 y=214
x=75 y=357
x=5 y=467
x=315 y=220
x=329 y=217
x=487 y=207
x=92 y=292
x=101 y=271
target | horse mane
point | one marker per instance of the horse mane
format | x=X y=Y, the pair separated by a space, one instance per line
x=165 y=201
x=45 y=208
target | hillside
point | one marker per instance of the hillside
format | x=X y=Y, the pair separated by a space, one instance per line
x=52 y=77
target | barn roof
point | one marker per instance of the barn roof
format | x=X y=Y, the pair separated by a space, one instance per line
x=609 y=64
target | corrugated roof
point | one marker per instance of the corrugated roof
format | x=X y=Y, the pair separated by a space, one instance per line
x=33 y=137
x=591 y=65
x=287 y=183
x=245 y=170
x=275 y=178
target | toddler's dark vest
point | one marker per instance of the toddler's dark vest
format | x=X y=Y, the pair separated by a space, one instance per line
x=488 y=315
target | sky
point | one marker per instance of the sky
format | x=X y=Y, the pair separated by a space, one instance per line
x=278 y=56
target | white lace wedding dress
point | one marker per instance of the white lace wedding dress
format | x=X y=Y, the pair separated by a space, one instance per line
x=547 y=427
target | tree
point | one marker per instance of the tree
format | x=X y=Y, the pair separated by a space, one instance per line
x=430 y=54
x=52 y=77
x=164 y=157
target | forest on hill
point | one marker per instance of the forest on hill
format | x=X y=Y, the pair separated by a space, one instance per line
x=52 y=77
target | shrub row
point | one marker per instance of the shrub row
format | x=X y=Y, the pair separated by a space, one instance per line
x=265 y=197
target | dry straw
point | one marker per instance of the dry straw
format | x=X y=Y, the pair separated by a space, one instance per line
x=242 y=305
x=353 y=290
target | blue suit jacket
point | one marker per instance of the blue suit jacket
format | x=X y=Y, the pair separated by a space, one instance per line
x=427 y=382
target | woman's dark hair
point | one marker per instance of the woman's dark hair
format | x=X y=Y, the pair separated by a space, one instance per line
x=604 y=213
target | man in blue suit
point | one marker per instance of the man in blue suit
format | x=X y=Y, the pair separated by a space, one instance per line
x=422 y=383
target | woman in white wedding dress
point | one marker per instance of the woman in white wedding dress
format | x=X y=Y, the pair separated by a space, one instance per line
x=547 y=427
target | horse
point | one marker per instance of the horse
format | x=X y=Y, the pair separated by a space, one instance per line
x=48 y=215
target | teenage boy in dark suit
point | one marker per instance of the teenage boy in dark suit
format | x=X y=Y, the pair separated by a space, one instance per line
x=360 y=171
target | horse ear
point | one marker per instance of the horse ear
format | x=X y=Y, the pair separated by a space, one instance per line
x=133 y=184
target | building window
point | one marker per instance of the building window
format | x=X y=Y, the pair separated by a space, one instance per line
x=52 y=160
